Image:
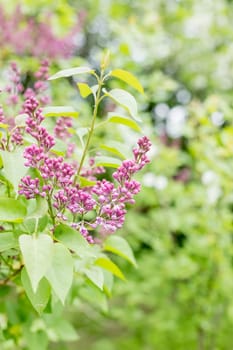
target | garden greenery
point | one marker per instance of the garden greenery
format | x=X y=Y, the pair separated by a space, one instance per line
x=58 y=210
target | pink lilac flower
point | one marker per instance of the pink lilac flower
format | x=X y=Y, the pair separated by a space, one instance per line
x=56 y=169
x=17 y=137
x=106 y=199
x=19 y=33
x=77 y=201
x=15 y=87
x=70 y=150
x=2 y=116
x=92 y=171
x=34 y=155
x=81 y=202
x=30 y=188
x=61 y=128
x=80 y=226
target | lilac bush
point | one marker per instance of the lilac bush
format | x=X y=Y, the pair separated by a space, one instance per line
x=59 y=213
x=19 y=33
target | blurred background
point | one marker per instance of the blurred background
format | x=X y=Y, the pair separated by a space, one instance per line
x=181 y=229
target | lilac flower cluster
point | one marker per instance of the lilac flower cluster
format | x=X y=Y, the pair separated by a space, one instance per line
x=40 y=85
x=19 y=33
x=112 y=199
x=16 y=96
x=14 y=88
x=62 y=126
x=57 y=182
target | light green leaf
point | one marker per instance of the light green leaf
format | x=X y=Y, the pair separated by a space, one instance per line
x=95 y=274
x=7 y=241
x=121 y=119
x=110 y=266
x=37 y=254
x=108 y=282
x=81 y=132
x=40 y=298
x=60 y=111
x=107 y=162
x=94 y=89
x=59 y=329
x=72 y=239
x=116 y=148
x=14 y=168
x=37 y=340
x=94 y=296
x=127 y=77
x=60 y=273
x=11 y=210
x=4 y=126
x=70 y=72
x=39 y=210
x=20 y=120
x=84 y=89
x=120 y=246
x=84 y=182
x=125 y=100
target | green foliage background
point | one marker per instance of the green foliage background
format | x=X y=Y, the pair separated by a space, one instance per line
x=181 y=295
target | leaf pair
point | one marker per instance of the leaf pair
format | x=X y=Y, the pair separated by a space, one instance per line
x=46 y=263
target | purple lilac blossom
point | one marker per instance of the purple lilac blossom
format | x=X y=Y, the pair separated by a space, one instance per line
x=106 y=200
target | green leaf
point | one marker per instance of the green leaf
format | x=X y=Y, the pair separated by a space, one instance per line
x=37 y=340
x=60 y=111
x=40 y=209
x=7 y=241
x=116 y=148
x=84 y=89
x=107 y=162
x=125 y=100
x=94 y=296
x=84 y=182
x=11 y=210
x=40 y=298
x=70 y=72
x=59 y=329
x=94 y=89
x=20 y=120
x=108 y=282
x=127 y=77
x=95 y=275
x=37 y=254
x=72 y=239
x=120 y=246
x=14 y=168
x=81 y=132
x=60 y=273
x=4 y=126
x=121 y=119
x=110 y=266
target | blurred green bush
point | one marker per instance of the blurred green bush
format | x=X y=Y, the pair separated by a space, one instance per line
x=181 y=295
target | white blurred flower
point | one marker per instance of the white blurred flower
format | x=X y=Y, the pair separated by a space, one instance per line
x=213 y=194
x=175 y=121
x=161 y=110
x=159 y=182
x=209 y=177
x=217 y=118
